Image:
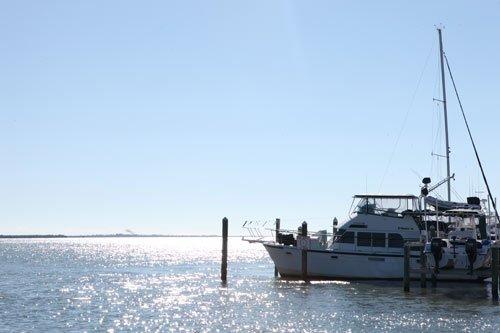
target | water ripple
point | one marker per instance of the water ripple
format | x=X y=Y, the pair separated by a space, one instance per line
x=172 y=284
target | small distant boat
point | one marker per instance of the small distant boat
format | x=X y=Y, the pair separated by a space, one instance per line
x=457 y=236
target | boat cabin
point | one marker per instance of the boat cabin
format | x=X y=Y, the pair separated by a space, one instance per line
x=379 y=223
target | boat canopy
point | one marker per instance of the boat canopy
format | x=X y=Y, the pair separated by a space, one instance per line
x=442 y=205
x=385 y=205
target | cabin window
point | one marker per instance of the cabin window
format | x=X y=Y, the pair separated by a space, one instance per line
x=364 y=239
x=378 y=239
x=347 y=237
x=340 y=232
x=396 y=240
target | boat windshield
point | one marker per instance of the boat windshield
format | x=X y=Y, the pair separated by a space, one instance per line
x=385 y=206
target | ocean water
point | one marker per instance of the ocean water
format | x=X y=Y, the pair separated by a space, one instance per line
x=172 y=284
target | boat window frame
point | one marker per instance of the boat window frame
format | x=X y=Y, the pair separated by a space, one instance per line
x=379 y=239
x=347 y=235
x=401 y=239
x=364 y=238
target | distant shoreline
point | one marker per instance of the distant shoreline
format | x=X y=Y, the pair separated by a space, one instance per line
x=103 y=236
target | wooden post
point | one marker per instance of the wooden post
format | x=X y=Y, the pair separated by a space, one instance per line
x=423 y=267
x=277 y=241
x=495 y=249
x=223 y=267
x=304 y=253
x=434 y=274
x=406 y=273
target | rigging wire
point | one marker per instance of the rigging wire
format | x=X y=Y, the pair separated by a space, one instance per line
x=438 y=134
x=405 y=118
x=455 y=192
x=472 y=140
x=435 y=157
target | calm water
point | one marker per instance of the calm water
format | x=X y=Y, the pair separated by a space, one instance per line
x=172 y=284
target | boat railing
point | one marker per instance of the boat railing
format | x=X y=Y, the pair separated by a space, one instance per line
x=256 y=231
x=265 y=231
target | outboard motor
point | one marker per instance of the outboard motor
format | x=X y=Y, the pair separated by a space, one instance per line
x=437 y=252
x=471 y=250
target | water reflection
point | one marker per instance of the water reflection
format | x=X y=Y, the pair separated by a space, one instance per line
x=140 y=284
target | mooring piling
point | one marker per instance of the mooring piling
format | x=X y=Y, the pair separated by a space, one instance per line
x=304 y=246
x=223 y=267
x=434 y=278
x=408 y=247
x=277 y=241
x=406 y=273
x=423 y=267
x=495 y=257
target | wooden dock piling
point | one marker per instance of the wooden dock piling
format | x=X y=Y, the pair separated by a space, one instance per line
x=423 y=267
x=406 y=273
x=495 y=249
x=278 y=222
x=223 y=267
x=304 y=252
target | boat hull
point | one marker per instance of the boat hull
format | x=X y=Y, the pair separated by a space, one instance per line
x=326 y=264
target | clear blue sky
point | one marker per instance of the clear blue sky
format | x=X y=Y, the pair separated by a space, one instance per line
x=165 y=116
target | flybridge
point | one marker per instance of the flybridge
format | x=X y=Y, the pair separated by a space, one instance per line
x=385 y=205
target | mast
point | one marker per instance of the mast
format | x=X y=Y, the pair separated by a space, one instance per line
x=443 y=84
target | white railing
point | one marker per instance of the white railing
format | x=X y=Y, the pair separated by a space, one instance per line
x=257 y=231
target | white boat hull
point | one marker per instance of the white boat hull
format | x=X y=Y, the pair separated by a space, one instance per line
x=331 y=264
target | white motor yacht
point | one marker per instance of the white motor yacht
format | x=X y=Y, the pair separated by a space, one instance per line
x=456 y=237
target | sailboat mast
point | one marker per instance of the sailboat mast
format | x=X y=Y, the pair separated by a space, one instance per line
x=443 y=84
